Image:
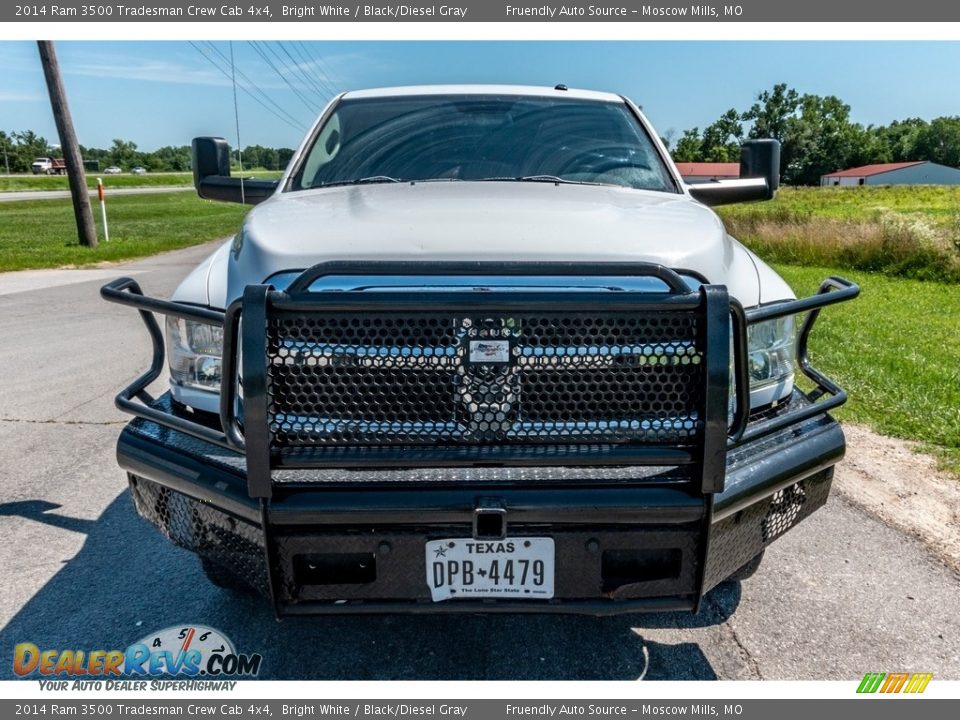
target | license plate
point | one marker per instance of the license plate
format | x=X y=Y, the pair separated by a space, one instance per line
x=514 y=568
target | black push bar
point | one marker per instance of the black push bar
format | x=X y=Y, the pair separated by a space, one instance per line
x=833 y=290
x=126 y=291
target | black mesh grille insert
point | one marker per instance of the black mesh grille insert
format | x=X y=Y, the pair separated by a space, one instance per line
x=230 y=542
x=425 y=378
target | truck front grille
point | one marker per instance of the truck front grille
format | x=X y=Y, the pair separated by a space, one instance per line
x=426 y=378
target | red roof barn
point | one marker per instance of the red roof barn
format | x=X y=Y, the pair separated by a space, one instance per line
x=918 y=172
x=694 y=172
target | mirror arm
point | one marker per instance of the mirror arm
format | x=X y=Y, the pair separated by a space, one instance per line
x=724 y=192
x=227 y=189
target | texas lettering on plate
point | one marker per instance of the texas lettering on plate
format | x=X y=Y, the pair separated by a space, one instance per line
x=513 y=568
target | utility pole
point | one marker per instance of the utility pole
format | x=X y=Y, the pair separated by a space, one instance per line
x=68 y=142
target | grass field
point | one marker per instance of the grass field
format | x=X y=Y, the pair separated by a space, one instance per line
x=43 y=234
x=12 y=183
x=906 y=231
x=896 y=349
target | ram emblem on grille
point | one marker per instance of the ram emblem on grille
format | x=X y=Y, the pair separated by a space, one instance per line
x=488 y=383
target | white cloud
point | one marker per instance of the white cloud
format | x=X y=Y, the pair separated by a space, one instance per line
x=15 y=96
x=130 y=68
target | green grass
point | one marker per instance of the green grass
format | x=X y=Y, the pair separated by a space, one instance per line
x=11 y=183
x=896 y=349
x=43 y=234
x=937 y=202
x=907 y=231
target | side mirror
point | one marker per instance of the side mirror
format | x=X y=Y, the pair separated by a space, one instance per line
x=759 y=176
x=211 y=175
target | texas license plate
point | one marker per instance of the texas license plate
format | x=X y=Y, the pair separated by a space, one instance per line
x=514 y=568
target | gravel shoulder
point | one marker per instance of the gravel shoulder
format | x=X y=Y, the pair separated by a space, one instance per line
x=892 y=480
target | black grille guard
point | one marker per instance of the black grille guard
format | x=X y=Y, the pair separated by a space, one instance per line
x=251 y=435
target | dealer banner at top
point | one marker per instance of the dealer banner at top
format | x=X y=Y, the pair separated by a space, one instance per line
x=630 y=11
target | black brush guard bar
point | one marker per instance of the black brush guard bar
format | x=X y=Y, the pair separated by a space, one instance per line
x=135 y=399
x=259 y=301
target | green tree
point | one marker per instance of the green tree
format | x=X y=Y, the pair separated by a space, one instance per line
x=771 y=112
x=899 y=139
x=939 y=142
x=721 y=140
x=168 y=159
x=819 y=139
x=123 y=153
x=250 y=157
x=269 y=159
x=27 y=147
x=284 y=155
x=688 y=146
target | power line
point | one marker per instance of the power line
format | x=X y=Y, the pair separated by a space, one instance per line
x=320 y=66
x=283 y=77
x=311 y=81
x=328 y=88
x=276 y=111
x=295 y=68
x=263 y=94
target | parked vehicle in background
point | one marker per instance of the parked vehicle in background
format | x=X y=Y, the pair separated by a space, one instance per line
x=112 y=170
x=481 y=349
x=49 y=166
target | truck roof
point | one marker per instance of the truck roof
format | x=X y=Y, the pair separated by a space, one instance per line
x=529 y=90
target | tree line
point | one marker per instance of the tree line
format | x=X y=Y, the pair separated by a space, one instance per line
x=817 y=136
x=18 y=150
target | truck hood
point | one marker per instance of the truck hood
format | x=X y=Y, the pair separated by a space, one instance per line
x=487 y=221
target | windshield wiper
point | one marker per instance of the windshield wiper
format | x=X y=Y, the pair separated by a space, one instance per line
x=555 y=179
x=540 y=178
x=376 y=179
x=372 y=180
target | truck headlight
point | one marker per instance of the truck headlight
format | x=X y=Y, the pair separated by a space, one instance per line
x=770 y=363
x=194 y=350
x=770 y=353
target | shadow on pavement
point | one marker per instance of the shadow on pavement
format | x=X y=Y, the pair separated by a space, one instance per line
x=39 y=510
x=127 y=581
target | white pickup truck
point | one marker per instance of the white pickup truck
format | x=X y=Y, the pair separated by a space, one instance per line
x=481 y=349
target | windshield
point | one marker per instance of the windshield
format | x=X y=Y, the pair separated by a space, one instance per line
x=482 y=137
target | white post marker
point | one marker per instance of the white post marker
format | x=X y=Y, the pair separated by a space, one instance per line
x=103 y=208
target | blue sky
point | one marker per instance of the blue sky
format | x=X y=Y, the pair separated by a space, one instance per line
x=165 y=93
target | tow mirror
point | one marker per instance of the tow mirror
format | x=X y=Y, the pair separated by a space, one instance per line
x=211 y=175
x=759 y=177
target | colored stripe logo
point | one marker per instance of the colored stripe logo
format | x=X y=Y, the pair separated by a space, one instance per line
x=895 y=682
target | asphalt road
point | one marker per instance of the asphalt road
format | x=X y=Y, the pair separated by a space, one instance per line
x=840 y=595
x=21 y=195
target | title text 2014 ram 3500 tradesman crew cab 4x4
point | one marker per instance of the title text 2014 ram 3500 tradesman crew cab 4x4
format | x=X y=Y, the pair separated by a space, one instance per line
x=481 y=349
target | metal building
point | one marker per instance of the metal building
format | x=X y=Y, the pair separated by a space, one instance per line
x=919 y=172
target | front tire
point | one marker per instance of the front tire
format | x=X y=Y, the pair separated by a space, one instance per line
x=224 y=578
x=748 y=569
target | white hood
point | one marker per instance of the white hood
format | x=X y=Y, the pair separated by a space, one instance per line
x=493 y=221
